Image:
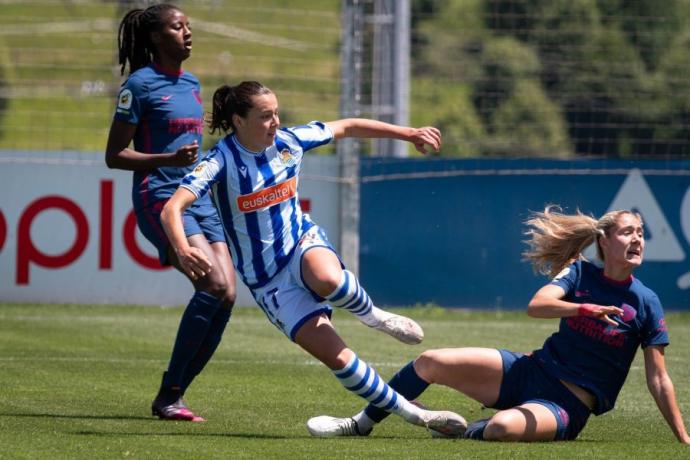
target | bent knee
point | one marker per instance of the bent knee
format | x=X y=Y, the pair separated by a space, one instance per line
x=324 y=282
x=503 y=427
x=229 y=297
x=227 y=302
x=428 y=365
x=217 y=286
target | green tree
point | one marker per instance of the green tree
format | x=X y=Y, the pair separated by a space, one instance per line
x=528 y=123
x=449 y=107
x=649 y=25
x=612 y=75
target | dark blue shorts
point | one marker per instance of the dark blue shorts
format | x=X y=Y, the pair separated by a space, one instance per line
x=524 y=381
x=197 y=219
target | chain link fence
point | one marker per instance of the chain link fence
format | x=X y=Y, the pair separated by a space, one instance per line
x=547 y=78
x=59 y=75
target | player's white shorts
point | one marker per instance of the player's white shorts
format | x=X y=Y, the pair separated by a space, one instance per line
x=287 y=302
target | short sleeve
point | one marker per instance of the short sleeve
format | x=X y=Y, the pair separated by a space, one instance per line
x=131 y=101
x=311 y=135
x=654 y=330
x=206 y=173
x=567 y=278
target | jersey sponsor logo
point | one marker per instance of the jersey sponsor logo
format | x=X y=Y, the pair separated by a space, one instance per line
x=286 y=157
x=186 y=125
x=124 y=100
x=596 y=330
x=268 y=197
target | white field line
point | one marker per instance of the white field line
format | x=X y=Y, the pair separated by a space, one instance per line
x=107 y=25
x=308 y=362
x=82 y=359
x=433 y=323
x=249 y=36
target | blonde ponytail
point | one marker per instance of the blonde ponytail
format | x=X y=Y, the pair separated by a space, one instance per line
x=555 y=240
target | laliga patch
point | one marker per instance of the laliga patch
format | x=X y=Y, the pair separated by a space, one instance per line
x=563 y=273
x=124 y=100
x=629 y=313
x=286 y=157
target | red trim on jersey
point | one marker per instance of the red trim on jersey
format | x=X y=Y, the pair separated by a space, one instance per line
x=167 y=71
x=628 y=280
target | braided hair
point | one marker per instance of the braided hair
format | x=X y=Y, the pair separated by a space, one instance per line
x=134 y=36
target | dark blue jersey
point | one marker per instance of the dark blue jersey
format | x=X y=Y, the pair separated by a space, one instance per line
x=167 y=110
x=591 y=353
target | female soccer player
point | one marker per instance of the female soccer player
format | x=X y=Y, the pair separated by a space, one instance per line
x=549 y=394
x=282 y=256
x=159 y=108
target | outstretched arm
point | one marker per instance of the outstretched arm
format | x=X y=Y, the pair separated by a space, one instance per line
x=548 y=303
x=373 y=129
x=661 y=387
x=119 y=155
x=192 y=260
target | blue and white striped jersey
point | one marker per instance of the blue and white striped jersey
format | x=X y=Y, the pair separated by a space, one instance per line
x=256 y=196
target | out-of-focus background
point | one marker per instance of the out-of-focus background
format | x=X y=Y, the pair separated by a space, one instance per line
x=583 y=103
x=548 y=78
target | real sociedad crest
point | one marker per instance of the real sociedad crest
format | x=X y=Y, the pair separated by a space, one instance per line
x=286 y=157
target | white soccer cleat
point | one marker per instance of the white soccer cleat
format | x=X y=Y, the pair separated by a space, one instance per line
x=444 y=424
x=397 y=326
x=325 y=426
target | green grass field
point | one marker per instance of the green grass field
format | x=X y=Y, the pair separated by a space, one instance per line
x=77 y=381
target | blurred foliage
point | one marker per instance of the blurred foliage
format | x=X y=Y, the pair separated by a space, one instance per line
x=558 y=77
x=499 y=77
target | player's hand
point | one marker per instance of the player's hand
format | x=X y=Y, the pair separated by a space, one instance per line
x=186 y=155
x=600 y=312
x=427 y=136
x=194 y=263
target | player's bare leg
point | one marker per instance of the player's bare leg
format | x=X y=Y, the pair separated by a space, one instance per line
x=324 y=275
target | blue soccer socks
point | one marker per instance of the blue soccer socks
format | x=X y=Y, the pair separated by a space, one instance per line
x=358 y=377
x=407 y=383
x=208 y=346
x=350 y=296
x=194 y=325
x=475 y=430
